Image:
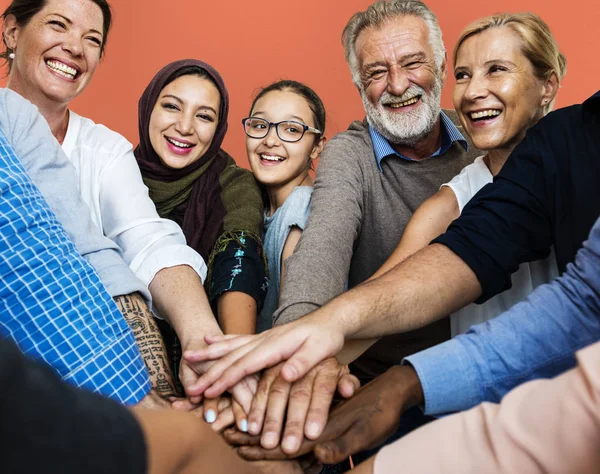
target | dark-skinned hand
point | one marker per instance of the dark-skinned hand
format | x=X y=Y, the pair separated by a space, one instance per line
x=363 y=422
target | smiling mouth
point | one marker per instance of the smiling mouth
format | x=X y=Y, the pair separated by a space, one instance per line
x=484 y=115
x=271 y=158
x=179 y=144
x=62 y=69
x=406 y=103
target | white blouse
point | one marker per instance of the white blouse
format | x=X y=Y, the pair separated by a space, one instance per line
x=529 y=275
x=111 y=185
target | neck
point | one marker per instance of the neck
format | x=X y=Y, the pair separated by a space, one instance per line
x=278 y=194
x=56 y=114
x=495 y=159
x=425 y=147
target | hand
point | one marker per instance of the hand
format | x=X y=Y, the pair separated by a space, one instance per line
x=153 y=401
x=303 y=344
x=362 y=422
x=307 y=401
x=243 y=391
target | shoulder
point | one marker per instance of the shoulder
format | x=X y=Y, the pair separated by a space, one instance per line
x=475 y=169
x=98 y=138
x=295 y=210
x=351 y=142
x=16 y=112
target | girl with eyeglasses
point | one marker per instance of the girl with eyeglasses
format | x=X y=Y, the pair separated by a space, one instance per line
x=285 y=134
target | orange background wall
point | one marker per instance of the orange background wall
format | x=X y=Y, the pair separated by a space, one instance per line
x=303 y=38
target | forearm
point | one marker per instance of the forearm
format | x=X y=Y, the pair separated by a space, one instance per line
x=179 y=443
x=178 y=294
x=426 y=287
x=237 y=313
x=545 y=426
x=353 y=349
x=149 y=341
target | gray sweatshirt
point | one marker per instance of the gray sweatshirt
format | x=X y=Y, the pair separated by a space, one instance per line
x=357 y=217
x=30 y=137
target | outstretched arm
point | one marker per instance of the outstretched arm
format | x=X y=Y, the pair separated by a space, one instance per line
x=429 y=221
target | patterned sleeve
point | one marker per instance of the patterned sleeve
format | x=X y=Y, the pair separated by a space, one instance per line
x=239 y=265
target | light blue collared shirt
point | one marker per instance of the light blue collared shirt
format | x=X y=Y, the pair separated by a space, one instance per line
x=450 y=134
x=536 y=338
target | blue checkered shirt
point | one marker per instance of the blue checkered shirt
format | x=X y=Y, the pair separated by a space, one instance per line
x=52 y=303
x=450 y=134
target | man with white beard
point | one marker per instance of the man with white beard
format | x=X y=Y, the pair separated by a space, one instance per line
x=373 y=176
x=370 y=180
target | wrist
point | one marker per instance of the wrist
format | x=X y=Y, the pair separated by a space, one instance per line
x=405 y=383
x=191 y=336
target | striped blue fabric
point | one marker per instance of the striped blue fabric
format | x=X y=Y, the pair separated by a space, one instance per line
x=450 y=134
x=52 y=304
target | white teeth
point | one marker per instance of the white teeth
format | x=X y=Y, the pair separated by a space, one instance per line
x=179 y=144
x=272 y=158
x=62 y=69
x=484 y=113
x=405 y=103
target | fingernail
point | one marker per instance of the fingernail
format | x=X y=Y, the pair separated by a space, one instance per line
x=290 y=443
x=270 y=440
x=211 y=416
x=313 y=430
x=244 y=426
x=254 y=428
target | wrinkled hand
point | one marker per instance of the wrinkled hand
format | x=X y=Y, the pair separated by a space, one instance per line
x=302 y=344
x=362 y=422
x=306 y=401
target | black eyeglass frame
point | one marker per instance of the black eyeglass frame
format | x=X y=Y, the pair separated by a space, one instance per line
x=305 y=128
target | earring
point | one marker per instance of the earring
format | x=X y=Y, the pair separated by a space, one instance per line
x=11 y=55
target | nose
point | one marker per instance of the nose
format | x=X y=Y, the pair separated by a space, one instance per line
x=73 y=44
x=272 y=139
x=398 y=82
x=184 y=124
x=476 y=88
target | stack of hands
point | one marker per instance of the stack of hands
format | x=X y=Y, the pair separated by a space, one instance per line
x=282 y=384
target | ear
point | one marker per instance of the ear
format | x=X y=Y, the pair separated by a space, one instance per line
x=550 y=89
x=317 y=148
x=444 y=69
x=10 y=32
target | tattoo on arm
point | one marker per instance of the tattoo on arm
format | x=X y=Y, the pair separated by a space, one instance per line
x=149 y=341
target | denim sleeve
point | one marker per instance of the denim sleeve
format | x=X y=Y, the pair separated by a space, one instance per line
x=535 y=338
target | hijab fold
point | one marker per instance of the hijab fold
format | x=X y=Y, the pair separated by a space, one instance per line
x=195 y=196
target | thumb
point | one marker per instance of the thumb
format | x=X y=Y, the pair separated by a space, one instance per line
x=347 y=386
x=335 y=451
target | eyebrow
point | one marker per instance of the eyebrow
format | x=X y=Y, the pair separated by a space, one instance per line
x=299 y=119
x=403 y=59
x=174 y=97
x=503 y=61
x=70 y=23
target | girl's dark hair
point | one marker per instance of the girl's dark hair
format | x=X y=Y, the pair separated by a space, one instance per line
x=314 y=102
x=25 y=10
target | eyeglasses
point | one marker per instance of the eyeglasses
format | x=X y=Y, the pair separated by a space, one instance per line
x=287 y=131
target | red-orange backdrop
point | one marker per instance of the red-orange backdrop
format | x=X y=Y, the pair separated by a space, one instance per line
x=304 y=44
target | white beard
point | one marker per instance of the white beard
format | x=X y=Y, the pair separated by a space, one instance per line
x=405 y=128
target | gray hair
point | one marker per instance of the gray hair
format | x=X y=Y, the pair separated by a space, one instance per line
x=383 y=11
